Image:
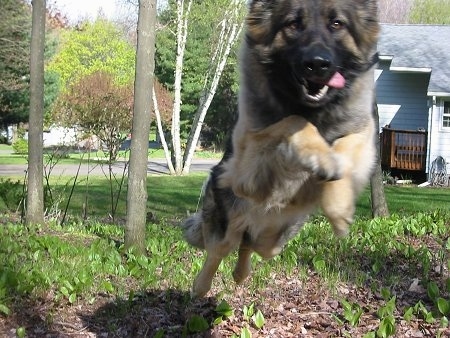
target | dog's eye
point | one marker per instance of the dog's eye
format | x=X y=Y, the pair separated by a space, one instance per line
x=294 y=25
x=336 y=24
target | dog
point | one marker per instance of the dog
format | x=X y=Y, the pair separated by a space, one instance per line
x=305 y=133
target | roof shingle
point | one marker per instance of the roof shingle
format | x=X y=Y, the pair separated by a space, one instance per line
x=419 y=46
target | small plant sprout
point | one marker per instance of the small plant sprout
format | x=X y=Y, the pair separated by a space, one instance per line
x=223 y=311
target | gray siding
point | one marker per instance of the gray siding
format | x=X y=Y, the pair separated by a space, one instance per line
x=402 y=98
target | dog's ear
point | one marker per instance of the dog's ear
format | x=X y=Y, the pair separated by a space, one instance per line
x=369 y=4
x=259 y=20
x=264 y=3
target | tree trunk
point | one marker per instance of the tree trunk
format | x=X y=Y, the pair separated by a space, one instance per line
x=379 y=204
x=182 y=31
x=230 y=32
x=137 y=180
x=35 y=193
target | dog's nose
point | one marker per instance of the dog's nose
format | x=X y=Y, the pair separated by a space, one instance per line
x=318 y=66
x=317 y=63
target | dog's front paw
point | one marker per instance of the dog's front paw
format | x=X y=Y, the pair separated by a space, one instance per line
x=326 y=167
x=320 y=161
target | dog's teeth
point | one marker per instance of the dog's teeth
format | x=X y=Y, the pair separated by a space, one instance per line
x=318 y=96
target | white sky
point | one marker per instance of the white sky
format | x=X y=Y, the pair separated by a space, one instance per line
x=76 y=10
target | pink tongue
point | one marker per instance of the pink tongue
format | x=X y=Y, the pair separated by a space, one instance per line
x=336 y=81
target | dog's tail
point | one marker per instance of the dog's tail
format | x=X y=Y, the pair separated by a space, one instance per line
x=192 y=230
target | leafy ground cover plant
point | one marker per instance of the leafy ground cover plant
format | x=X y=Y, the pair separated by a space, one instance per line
x=390 y=277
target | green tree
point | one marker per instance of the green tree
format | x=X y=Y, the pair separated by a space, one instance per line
x=430 y=12
x=98 y=106
x=92 y=47
x=15 y=29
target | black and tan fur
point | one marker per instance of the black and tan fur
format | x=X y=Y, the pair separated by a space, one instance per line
x=305 y=133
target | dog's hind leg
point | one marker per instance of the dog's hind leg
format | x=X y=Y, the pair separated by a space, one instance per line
x=243 y=265
x=215 y=252
x=203 y=281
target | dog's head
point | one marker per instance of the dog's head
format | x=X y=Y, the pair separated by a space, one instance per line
x=313 y=49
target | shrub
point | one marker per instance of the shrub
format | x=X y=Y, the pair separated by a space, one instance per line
x=11 y=192
x=20 y=146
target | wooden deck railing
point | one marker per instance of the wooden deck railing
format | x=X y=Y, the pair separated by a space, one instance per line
x=403 y=149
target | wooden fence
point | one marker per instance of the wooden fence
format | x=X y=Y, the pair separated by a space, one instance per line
x=403 y=149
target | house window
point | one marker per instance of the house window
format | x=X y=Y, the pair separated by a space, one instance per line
x=446 y=115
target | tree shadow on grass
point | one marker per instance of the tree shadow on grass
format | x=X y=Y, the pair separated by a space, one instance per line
x=163 y=313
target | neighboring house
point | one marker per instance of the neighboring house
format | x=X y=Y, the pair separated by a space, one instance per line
x=413 y=95
x=58 y=136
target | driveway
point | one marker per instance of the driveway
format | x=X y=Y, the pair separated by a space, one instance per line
x=155 y=166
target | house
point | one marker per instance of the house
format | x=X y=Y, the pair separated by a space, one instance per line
x=413 y=95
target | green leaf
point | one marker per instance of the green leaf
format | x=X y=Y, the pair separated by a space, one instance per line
x=376 y=267
x=64 y=291
x=432 y=291
x=408 y=314
x=258 y=319
x=197 y=324
x=224 y=309
x=159 y=334
x=20 y=332
x=337 y=319
x=36 y=255
x=319 y=263
x=4 y=309
x=248 y=311
x=369 y=335
x=443 y=306
x=346 y=305
x=67 y=284
x=72 y=298
x=429 y=318
x=108 y=286
x=218 y=320
x=388 y=309
x=386 y=328
x=356 y=316
x=245 y=333
x=385 y=293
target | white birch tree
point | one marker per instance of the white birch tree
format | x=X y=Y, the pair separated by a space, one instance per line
x=161 y=133
x=231 y=27
x=182 y=34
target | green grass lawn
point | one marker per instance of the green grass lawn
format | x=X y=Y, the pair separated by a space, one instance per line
x=174 y=197
x=407 y=200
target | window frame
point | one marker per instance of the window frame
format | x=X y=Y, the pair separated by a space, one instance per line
x=445 y=115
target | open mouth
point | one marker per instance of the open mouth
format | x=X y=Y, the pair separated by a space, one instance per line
x=314 y=91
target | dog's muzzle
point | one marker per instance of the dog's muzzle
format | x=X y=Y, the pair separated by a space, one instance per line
x=318 y=74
